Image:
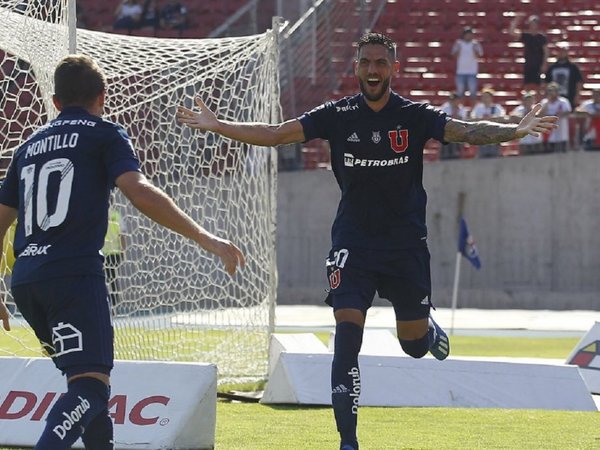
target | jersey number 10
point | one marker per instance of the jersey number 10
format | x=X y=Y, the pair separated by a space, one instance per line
x=45 y=221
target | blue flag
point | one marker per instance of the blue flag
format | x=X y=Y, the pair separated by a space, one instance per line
x=466 y=245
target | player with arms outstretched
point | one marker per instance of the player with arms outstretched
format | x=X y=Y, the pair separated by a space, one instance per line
x=379 y=234
x=58 y=186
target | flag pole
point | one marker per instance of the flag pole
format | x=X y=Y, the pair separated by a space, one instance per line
x=460 y=208
x=455 y=291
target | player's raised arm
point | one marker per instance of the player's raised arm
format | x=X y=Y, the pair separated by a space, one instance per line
x=254 y=133
x=487 y=132
x=7 y=216
x=159 y=207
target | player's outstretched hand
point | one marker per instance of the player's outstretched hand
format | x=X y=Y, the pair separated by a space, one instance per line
x=4 y=316
x=231 y=256
x=204 y=119
x=534 y=125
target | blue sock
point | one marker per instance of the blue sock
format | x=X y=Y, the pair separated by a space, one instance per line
x=345 y=380
x=84 y=400
x=98 y=435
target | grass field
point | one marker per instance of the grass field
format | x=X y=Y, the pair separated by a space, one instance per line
x=261 y=427
x=250 y=426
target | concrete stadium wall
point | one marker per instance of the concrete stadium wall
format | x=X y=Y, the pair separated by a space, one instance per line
x=535 y=220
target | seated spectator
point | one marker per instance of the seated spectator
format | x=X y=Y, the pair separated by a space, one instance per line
x=173 y=16
x=128 y=14
x=529 y=145
x=82 y=21
x=150 y=15
x=591 y=110
x=488 y=110
x=453 y=108
x=555 y=105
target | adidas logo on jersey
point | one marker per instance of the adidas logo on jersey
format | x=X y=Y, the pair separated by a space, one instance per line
x=339 y=389
x=425 y=301
x=353 y=138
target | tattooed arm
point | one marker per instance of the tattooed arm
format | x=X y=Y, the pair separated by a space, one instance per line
x=487 y=132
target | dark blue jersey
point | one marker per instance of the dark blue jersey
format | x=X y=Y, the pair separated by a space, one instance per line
x=377 y=160
x=60 y=181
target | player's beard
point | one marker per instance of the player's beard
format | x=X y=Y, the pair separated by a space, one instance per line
x=385 y=84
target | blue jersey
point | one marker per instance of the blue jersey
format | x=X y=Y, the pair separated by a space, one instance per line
x=377 y=160
x=60 y=181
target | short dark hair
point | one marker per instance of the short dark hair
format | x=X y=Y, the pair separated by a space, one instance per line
x=378 y=39
x=78 y=81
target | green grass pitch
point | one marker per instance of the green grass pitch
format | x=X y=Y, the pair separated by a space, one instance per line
x=262 y=427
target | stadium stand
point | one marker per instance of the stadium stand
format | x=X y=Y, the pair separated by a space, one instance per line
x=425 y=31
x=204 y=16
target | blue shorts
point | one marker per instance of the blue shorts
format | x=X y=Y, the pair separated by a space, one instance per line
x=71 y=317
x=401 y=276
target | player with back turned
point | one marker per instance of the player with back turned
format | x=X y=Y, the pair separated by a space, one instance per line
x=58 y=186
x=379 y=234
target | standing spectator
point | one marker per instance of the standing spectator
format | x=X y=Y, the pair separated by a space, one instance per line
x=566 y=74
x=113 y=250
x=530 y=144
x=535 y=47
x=453 y=108
x=591 y=110
x=486 y=109
x=467 y=50
x=174 y=16
x=82 y=20
x=560 y=107
x=128 y=14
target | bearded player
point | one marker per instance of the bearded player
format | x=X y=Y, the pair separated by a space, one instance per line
x=379 y=235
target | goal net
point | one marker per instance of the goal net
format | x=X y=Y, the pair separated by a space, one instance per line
x=171 y=300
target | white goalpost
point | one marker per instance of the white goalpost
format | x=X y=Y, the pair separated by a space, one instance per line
x=174 y=302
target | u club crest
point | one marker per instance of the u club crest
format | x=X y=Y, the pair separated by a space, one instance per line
x=376 y=138
x=334 y=278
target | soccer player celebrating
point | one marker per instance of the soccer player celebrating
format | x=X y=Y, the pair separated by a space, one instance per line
x=58 y=186
x=379 y=234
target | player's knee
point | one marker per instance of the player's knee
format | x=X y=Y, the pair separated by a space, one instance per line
x=417 y=348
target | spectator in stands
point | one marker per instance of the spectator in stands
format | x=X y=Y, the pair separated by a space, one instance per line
x=535 y=47
x=453 y=108
x=486 y=109
x=566 y=74
x=467 y=50
x=560 y=107
x=591 y=109
x=128 y=14
x=174 y=16
x=529 y=145
x=151 y=15
x=81 y=16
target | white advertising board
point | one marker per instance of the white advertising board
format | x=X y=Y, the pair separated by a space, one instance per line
x=154 y=405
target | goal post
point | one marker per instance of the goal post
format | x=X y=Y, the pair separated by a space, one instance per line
x=173 y=301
